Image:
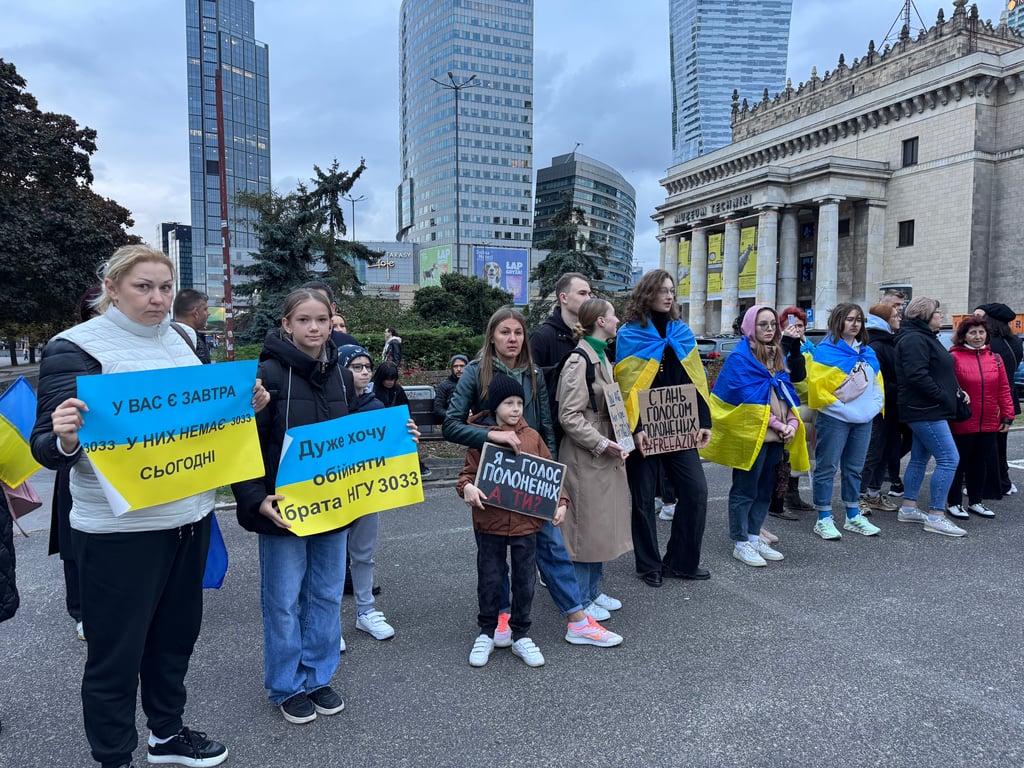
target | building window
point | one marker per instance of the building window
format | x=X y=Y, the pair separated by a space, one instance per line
x=906 y=234
x=910 y=152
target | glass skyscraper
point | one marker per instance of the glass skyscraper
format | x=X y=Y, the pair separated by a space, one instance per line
x=717 y=46
x=220 y=34
x=608 y=202
x=452 y=41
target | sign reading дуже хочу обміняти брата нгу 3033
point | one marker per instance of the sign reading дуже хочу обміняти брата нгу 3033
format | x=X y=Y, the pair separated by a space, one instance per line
x=519 y=482
x=669 y=418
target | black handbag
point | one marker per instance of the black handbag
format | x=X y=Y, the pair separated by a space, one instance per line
x=963 y=408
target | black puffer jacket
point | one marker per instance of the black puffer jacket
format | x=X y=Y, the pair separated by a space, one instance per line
x=925 y=375
x=551 y=342
x=884 y=344
x=8 y=588
x=302 y=391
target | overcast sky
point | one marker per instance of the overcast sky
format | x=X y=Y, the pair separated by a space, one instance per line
x=601 y=77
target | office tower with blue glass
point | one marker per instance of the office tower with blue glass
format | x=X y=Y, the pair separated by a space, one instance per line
x=717 y=46
x=466 y=122
x=608 y=203
x=220 y=37
x=176 y=242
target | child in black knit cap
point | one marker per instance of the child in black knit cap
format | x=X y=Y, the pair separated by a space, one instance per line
x=498 y=530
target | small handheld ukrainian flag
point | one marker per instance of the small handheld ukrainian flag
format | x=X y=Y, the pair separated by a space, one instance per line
x=17 y=417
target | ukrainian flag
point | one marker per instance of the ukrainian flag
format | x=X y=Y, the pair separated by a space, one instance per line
x=831 y=362
x=17 y=417
x=639 y=351
x=741 y=409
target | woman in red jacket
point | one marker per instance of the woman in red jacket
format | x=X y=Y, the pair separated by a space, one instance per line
x=979 y=371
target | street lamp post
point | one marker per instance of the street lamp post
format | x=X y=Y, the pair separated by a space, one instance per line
x=354 y=200
x=453 y=85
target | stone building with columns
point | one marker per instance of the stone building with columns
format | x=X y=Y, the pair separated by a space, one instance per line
x=902 y=169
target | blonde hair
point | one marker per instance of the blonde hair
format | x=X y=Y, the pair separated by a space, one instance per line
x=586 y=319
x=921 y=308
x=121 y=263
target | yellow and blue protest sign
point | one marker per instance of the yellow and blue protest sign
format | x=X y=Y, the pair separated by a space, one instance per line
x=158 y=436
x=336 y=471
x=17 y=417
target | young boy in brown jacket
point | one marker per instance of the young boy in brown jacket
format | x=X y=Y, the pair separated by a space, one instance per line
x=498 y=530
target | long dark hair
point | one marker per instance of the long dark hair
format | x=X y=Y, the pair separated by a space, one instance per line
x=487 y=355
x=638 y=309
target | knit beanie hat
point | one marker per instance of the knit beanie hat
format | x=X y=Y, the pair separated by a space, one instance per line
x=999 y=312
x=503 y=386
x=463 y=358
x=349 y=352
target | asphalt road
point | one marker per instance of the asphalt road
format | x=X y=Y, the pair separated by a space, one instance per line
x=902 y=650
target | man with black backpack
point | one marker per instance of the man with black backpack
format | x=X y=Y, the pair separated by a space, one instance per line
x=553 y=340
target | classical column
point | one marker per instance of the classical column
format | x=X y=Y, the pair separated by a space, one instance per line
x=767 y=254
x=827 y=259
x=699 y=281
x=671 y=261
x=730 y=273
x=789 y=260
x=875 y=254
x=663 y=246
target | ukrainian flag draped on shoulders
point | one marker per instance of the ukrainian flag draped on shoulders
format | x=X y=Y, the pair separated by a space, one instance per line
x=639 y=349
x=831 y=362
x=741 y=409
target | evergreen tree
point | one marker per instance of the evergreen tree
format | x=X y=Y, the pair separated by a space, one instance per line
x=460 y=300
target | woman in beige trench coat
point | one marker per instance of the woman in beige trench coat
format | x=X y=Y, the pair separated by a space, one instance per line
x=597 y=523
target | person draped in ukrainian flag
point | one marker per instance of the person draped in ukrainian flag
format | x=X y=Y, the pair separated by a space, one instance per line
x=755 y=409
x=845 y=387
x=655 y=349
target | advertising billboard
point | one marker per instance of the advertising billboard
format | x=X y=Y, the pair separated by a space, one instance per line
x=715 y=265
x=748 y=261
x=683 y=271
x=504 y=268
x=395 y=266
x=434 y=262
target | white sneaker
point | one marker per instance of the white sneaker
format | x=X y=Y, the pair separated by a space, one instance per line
x=596 y=612
x=944 y=526
x=744 y=552
x=482 y=647
x=608 y=603
x=958 y=511
x=80 y=631
x=668 y=512
x=1013 y=490
x=343 y=646
x=911 y=515
x=375 y=624
x=764 y=549
x=980 y=509
x=528 y=652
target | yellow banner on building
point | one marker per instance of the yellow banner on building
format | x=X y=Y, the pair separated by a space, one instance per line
x=683 y=271
x=748 y=261
x=715 y=265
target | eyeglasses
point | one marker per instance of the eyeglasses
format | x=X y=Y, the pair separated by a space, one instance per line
x=667 y=292
x=855 y=320
x=360 y=367
x=767 y=326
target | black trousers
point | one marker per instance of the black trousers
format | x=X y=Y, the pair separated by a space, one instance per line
x=684 y=471
x=142 y=606
x=490 y=578
x=1004 y=468
x=977 y=453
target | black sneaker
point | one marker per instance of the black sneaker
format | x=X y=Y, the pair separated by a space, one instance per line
x=896 y=489
x=190 y=748
x=326 y=701
x=298 y=709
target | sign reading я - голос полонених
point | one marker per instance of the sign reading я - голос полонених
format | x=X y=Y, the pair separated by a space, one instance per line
x=336 y=471
x=519 y=482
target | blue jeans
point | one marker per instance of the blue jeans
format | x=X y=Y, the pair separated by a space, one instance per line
x=588 y=576
x=751 y=493
x=843 y=446
x=301 y=580
x=931 y=438
x=557 y=570
x=362 y=543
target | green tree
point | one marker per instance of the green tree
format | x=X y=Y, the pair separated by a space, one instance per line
x=54 y=230
x=460 y=300
x=570 y=251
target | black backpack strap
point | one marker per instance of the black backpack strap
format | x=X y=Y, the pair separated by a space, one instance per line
x=590 y=376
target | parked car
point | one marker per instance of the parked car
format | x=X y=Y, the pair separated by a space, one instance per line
x=1018 y=380
x=716 y=347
